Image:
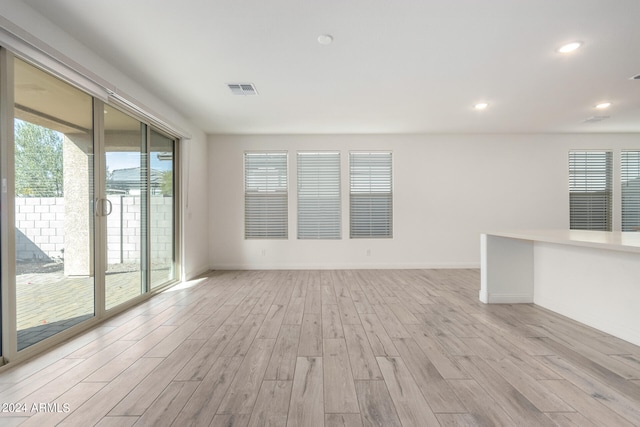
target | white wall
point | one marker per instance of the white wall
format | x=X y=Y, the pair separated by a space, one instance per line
x=195 y=216
x=447 y=190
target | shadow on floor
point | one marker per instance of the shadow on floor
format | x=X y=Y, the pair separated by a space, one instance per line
x=30 y=336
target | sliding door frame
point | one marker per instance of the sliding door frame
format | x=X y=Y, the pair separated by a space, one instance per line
x=7 y=204
x=8 y=320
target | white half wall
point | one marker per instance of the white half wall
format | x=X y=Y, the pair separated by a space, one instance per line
x=447 y=190
x=597 y=287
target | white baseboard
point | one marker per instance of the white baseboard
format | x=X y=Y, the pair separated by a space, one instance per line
x=508 y=298
x=372 y=266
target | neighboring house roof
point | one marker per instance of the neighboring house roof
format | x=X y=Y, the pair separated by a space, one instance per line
x=130 y=178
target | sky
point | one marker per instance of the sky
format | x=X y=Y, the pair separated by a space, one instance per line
x=130 y=159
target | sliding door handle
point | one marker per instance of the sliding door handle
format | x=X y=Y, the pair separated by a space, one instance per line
x=110 y=207
x=101 y=205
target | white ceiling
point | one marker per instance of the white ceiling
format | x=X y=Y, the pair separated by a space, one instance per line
x=405 y=66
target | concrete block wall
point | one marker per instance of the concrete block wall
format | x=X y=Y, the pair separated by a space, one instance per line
x=40 y=229
x=123 y=229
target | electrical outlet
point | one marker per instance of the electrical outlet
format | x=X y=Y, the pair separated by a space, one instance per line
x=264 y=252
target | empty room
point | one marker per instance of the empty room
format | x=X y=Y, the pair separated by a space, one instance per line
x=299 y=213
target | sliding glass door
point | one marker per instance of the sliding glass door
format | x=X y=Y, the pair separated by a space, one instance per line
x=53 y=199
x=161 y=214
x=88 y=208
x=127 y=207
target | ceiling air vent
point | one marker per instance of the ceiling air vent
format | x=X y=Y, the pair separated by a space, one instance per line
x=242 y=88
x=594 y=119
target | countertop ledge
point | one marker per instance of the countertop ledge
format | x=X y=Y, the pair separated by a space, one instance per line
x=611 y=240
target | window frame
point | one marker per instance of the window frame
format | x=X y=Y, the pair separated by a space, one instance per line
x=324 y=193
x=380 y=224
x=591 y=209
x=251 y=224
x=630 y=194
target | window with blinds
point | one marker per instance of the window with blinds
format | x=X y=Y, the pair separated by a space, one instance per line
x=265 y=195
x=319 y=195
x=630 y=189
x=590 y=190
x=371 y=195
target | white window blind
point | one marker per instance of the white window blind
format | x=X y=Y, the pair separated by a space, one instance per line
x=630 y=177
x=371 y=194
x=265 y=195
x=319 y=195
x=590 y=195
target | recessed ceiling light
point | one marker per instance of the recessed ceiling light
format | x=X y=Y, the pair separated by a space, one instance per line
x=325 y=39
x=603 y=105
x=481 y=106
x=569 y=47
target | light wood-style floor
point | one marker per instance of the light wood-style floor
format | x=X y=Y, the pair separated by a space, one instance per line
x=333 y=348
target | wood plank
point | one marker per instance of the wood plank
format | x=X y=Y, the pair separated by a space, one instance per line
x=203 y=403
x=230 y=420
x=377 y=408
x=52 y=390
x=405 y=316
x=339 y=390
x=363 y=362
x=198 y=366
x=97 y=407
x=331 y=323
x=381 y=343
x=484 y=410
x=241 y=341
x=74 y=398
x=434 y=387
x=313 y=302
x=511 y=400
x=360 y=301
x=174 y=340
x=117 y=422
x=543 y=399
x=283 y=359
x=295 y=311
x=348 y=312
x=391 y=324
x=264 y=303
x=606 y=391
x=218 y=318
x=272 y=322
x=342 y=420
x=632 y=361
x=444 y=363
x=272 y=404
x=164 y=410
x=586 y=404
x=311 y=335
x=127 y=358
x=243 y=391
x=412 y=407
x=20 y=390
x=146 y=391
x=597 y=359
x=458 y=420
x=328 y=295
x=307 y=402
